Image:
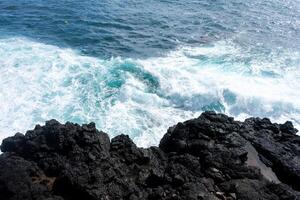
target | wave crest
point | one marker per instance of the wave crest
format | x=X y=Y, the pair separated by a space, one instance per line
x=143 y=97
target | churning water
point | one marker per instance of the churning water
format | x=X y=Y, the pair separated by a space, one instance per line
x=139 y=67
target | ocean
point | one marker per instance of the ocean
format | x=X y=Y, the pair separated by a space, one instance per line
x=138 y=67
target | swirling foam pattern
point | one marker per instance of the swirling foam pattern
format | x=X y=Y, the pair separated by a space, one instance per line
x=142 y=97
x=138 y=67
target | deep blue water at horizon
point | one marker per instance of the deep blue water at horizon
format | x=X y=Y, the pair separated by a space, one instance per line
x=138 y=67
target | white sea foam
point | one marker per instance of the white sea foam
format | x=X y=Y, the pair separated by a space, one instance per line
x=143 y=98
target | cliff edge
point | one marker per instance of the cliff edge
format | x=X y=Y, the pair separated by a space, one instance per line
x=211 y=157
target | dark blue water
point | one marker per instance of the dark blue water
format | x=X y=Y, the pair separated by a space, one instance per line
x=132 y=28
x=137 y=67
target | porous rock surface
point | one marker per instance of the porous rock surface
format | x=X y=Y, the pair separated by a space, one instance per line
x=211 y=157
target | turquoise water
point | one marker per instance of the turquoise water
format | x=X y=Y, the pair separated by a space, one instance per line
x=139 y=67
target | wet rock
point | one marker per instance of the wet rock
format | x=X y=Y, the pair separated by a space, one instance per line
x=211 y=157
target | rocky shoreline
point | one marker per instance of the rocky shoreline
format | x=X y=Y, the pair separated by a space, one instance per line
x=211 y=157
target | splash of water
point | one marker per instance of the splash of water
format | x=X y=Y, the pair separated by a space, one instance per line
x=143 y=97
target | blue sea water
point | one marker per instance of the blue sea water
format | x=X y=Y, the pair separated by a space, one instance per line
x=138 y=67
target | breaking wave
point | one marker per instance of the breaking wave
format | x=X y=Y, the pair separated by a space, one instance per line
x=143 y=97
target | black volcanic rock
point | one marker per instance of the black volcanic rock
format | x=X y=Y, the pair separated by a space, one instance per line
x=211 y=157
